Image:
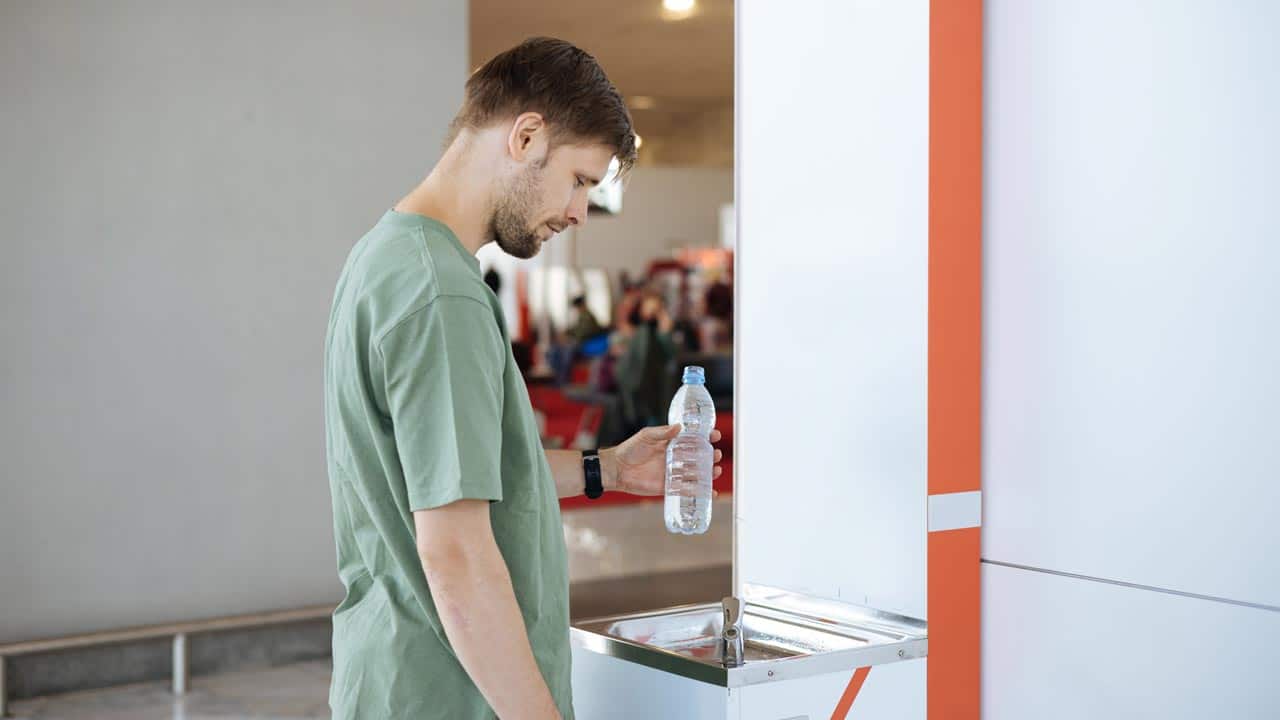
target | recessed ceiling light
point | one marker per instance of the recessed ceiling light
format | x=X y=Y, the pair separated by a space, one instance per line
x=639 y=141
x=641 y=102
x=679 y=8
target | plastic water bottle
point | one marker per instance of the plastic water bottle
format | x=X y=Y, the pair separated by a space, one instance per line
x=690 y=457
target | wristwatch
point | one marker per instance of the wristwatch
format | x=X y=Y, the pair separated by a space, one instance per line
x=591 y=471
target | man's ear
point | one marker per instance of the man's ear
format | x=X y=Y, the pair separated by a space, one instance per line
x=528 y=135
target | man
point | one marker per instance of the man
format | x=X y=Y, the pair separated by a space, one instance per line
x=585 y=325
x=566 y=347
x=445 y=504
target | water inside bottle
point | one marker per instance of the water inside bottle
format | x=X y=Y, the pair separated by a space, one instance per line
x=690 y=458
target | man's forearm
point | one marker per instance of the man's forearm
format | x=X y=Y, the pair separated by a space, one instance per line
x=477 y=606
x=566 y=468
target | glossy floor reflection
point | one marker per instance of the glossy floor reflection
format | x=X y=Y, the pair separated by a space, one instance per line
x=630 y=540
x=283 y=693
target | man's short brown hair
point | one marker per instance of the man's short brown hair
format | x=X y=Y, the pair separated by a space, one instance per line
x=559 y=81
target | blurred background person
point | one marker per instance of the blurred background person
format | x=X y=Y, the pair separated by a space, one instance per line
x=644 y=371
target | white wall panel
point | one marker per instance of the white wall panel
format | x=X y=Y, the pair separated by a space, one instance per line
x=1131 y=332
x=833 y=139
x=1056 y=648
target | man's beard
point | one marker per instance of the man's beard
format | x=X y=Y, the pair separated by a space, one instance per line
x=510 y=224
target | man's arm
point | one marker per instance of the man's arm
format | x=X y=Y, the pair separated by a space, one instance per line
x=566 y=468
x=637 y=466
x=472 y=590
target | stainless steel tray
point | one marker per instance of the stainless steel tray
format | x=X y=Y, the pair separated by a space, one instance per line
x=786 y=635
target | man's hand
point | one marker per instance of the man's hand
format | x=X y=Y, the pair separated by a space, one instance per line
x=639 y=465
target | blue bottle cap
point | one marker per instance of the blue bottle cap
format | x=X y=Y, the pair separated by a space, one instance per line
x=695 y=375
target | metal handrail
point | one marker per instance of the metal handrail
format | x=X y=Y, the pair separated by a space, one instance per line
x=178 y=631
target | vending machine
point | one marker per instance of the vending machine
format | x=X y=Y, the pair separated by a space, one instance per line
x=857 y=329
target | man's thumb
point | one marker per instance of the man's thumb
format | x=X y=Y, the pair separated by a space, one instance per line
x=665 y=432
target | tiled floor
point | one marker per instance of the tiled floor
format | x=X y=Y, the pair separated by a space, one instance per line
x=615 y=596
x=628 y=540
x=283 y=693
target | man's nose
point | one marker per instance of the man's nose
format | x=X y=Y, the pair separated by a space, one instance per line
x=578 y=212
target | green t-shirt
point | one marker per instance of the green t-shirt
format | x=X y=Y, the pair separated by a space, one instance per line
x=424 y=405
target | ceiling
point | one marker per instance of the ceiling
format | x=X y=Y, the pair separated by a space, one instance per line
x=677 y=75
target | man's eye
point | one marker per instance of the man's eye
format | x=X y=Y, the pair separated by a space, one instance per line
x=579 y=182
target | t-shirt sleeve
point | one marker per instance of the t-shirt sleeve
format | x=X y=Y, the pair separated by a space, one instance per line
x=443 y=369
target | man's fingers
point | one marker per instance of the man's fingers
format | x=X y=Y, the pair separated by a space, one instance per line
x=719 y=456
x=718 y=471
x=662 y=432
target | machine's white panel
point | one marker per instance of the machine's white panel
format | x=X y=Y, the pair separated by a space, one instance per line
x=1131 y=331
x=608 y=688
x=833 y=251
x=1056 y=648
x=890 y=692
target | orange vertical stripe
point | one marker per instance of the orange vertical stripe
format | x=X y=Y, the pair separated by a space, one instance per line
x=850 y=693
x=955 y=244
x=955 y=662
x=955 y=350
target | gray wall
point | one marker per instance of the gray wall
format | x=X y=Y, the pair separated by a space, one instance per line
x=179 y=187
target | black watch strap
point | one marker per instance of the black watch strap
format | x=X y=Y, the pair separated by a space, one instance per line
x=591 y=471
